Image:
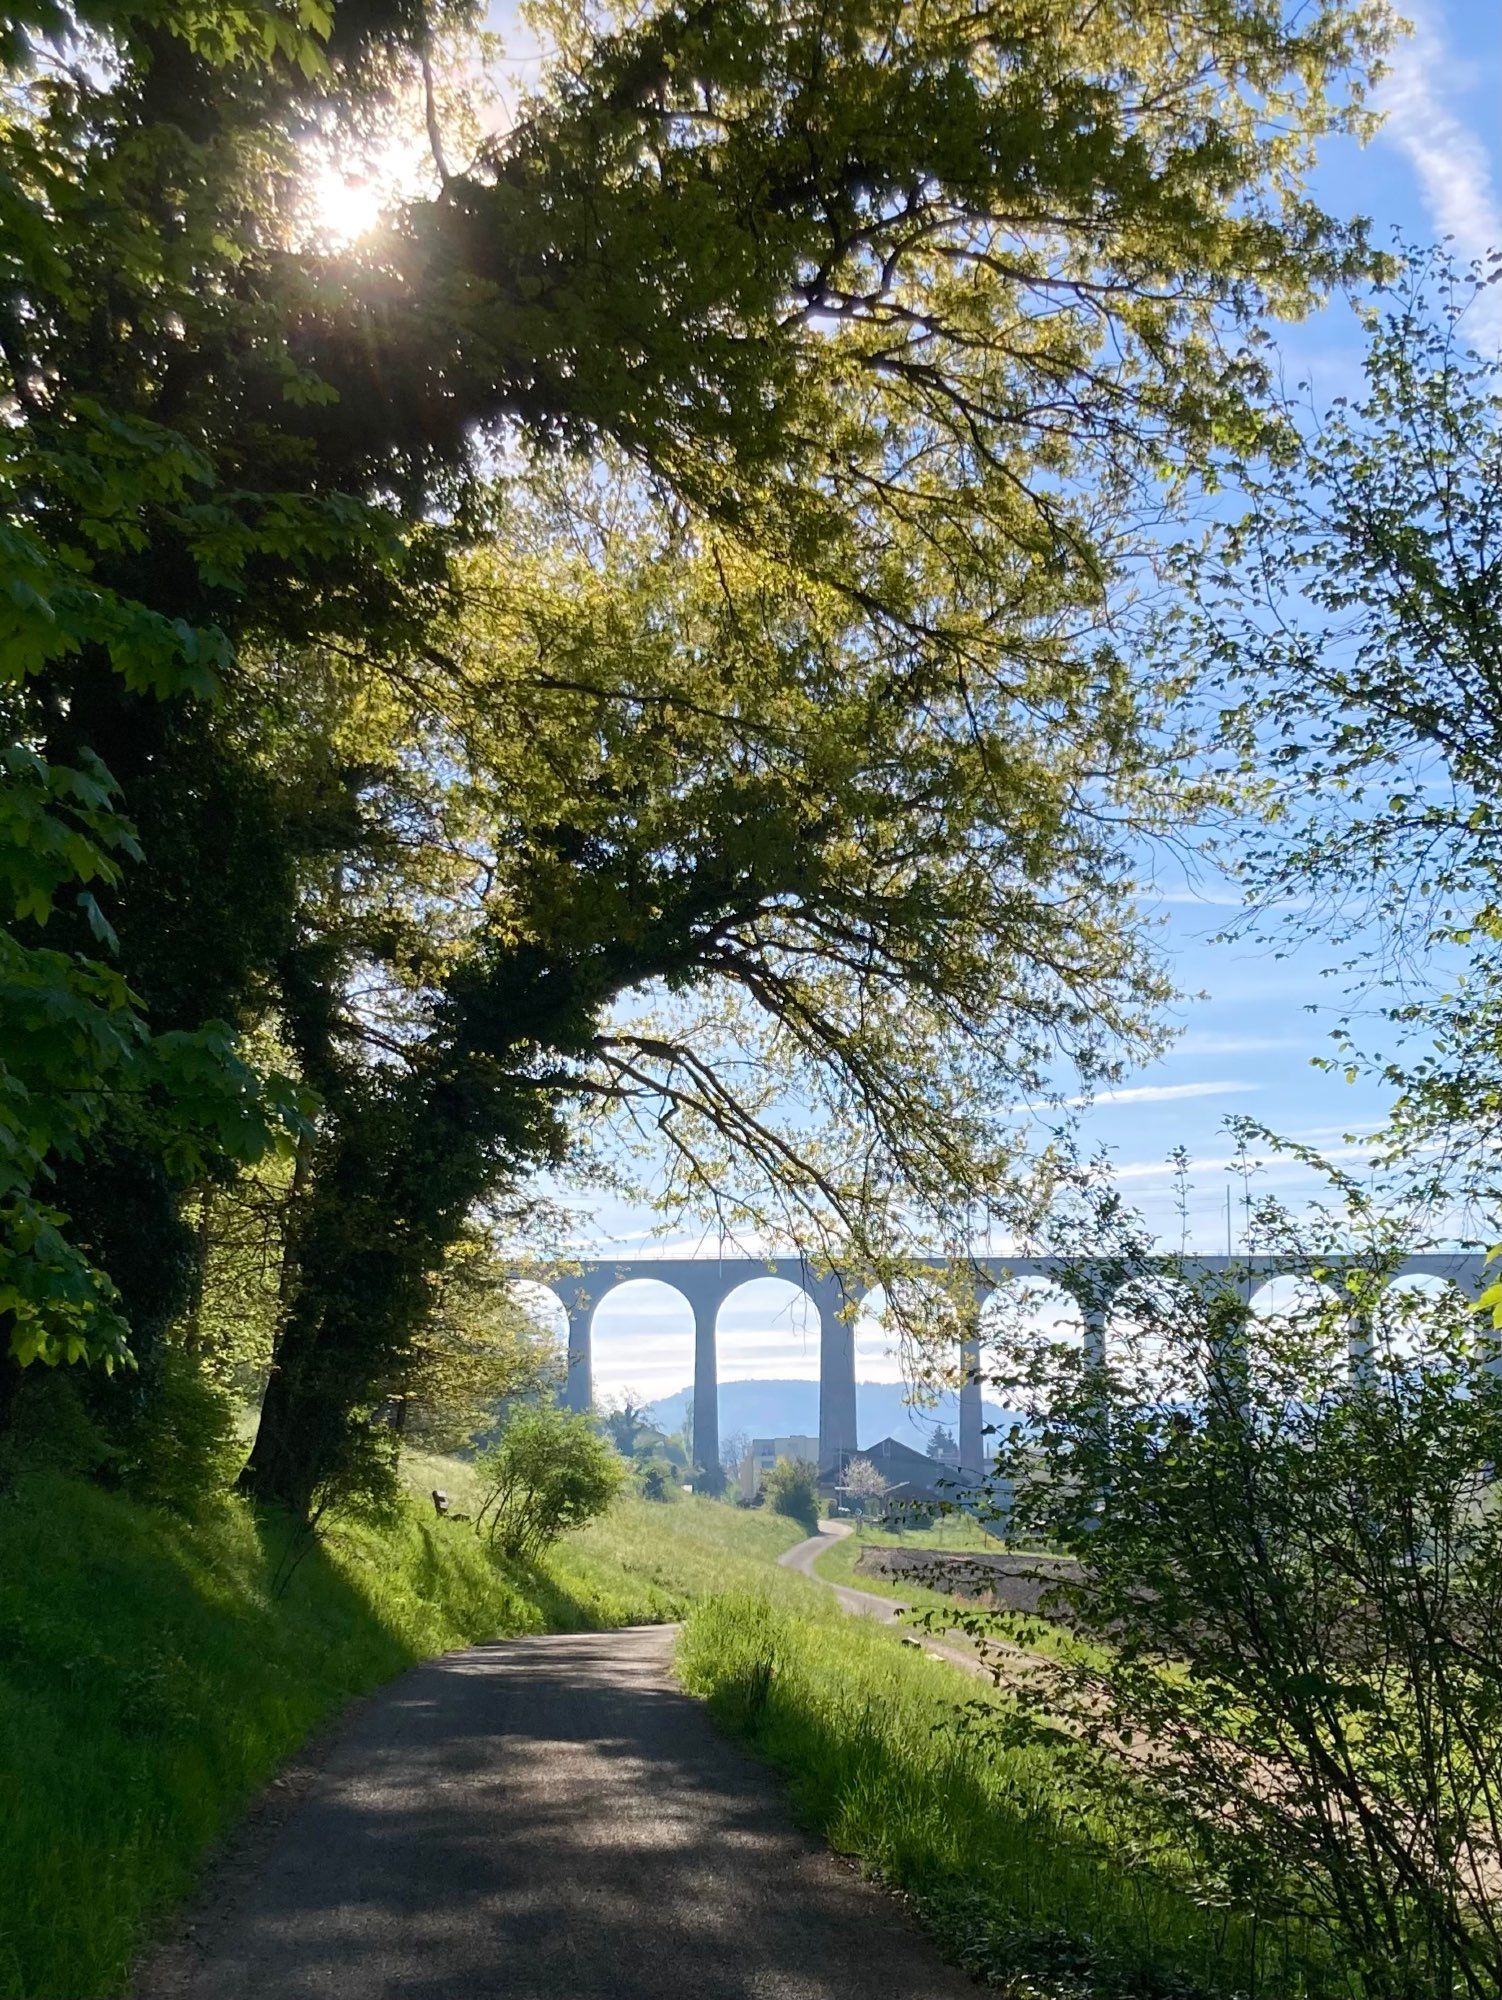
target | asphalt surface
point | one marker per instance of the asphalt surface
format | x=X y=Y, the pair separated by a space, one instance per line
x=540 y=1819
x=866 y=1604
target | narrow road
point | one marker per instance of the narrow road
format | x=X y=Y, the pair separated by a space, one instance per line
x=866 y=1604
x=541 y=1819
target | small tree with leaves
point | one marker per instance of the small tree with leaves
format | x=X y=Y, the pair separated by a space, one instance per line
x=549 y=1471
x=791 y=1488
x=1290 y=1565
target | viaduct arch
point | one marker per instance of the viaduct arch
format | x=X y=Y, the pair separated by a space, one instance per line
x=706 y=1282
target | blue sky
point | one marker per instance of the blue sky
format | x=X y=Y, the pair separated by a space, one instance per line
x=1435 y=170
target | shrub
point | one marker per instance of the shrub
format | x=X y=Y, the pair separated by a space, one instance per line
x=1292 y=1570
x=791 y=1488
x=656 y=1480
x=180 y=1450
x=549 y=1471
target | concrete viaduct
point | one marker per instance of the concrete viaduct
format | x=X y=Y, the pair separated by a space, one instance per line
x=706 y=1282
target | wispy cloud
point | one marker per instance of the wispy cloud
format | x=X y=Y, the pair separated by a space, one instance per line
x=1167 y=1093
x=1208 y=899
x=1206 y=1043
x=1279 y=1167
x=1456 y=173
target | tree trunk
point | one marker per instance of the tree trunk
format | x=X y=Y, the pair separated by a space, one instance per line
x=388 y=1194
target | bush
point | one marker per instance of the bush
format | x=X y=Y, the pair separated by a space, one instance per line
x=550 y=1471
x=656 y=1480
x=173 y=1445
x=791 y=1488
x=1292 y=1572
x=180 y=1450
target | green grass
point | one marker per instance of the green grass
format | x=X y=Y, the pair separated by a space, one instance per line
x=154 y=1671
x=671 y=1554
x=1019 y=1881
x=947 y=1531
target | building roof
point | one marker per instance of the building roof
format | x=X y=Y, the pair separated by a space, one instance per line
x=907 y=1472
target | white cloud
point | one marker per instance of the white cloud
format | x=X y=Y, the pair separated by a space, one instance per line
x=1455 y=171
x=1207 y=1043
x=1271 y=1166
x=1167 y=1093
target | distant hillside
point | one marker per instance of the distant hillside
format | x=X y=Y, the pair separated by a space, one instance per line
x=783 y=1409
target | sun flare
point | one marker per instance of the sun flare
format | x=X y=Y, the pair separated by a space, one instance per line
x=350 y=191
x=345 y=207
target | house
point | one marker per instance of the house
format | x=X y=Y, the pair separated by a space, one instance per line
x=911 y=1477
x=764 y=1454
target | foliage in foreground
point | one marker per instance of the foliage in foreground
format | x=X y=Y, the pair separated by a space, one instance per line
x=1290 y=1557
x=155 y=1669
x=1015 y=1882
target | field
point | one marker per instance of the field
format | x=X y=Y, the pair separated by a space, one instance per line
x=837 y=1564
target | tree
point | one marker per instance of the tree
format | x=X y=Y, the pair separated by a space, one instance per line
x=756 y=859
x=1356 y=614
x=941 y=1446
x=748 y=249
x=1290 y=1570
x=791 y=1488
x=477 y=1351
x=864 y=1487
x=734 y=1447
x=550 y=1471
x=624 y=1420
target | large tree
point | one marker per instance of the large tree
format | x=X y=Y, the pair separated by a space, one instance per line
x=808 y=915
x=902 y=294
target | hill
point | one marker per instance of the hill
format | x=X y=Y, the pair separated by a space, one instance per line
x=781 y=1408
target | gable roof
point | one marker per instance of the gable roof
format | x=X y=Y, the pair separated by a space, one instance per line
x=899 y=1465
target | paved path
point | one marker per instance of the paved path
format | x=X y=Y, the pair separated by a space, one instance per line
x=542 y=1819
x=866 y=1604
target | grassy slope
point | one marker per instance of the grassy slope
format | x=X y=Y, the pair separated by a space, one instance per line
x=1023 y=1883
x=153 y=1673
x=676 y=1554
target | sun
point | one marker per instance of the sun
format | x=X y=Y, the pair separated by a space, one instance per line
x=344 y=207
x=350 y=187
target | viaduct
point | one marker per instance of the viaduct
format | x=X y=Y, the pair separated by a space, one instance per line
x=706 y=1282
